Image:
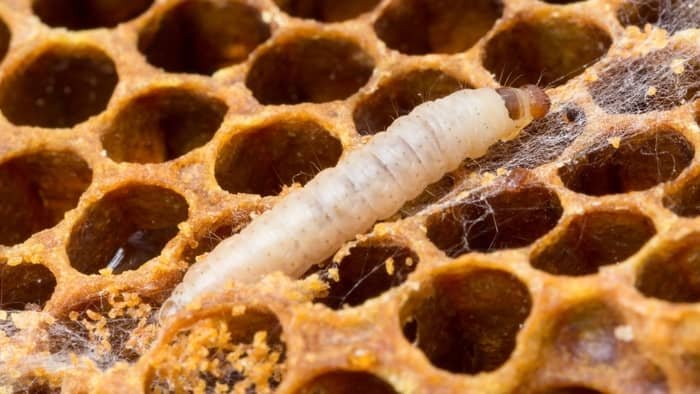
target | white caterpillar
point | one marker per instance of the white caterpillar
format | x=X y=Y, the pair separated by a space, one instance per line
x=369 y=184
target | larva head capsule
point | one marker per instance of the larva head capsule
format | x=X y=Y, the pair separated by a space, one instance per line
x=526 y=103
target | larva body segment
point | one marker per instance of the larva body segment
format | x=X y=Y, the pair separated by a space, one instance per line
x=369 y=184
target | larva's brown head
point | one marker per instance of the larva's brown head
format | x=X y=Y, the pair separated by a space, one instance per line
x=528 y=100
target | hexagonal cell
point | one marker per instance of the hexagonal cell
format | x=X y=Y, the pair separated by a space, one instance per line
x=546 y=52
x=264 y=159
x=36 y=190
x=658 y=81
x=126 y=228
x=25 y=286
x=372 y=268
x=326 y=10
x=347 y=382
x=102 y=329
x=399 y=96
x=512 y=217
x=685 y=199
x=672 y=273
x=309 y=70
x=671 y=15
x=586 y=333
x=595 y=239
x=62 y=86
x=219 y=231
x=417 y=27
x=88 y=14
x=162 y=125
x=641 y=161
x=202 y=36
x=240 y=353
x=540 y=143
x=468 y=322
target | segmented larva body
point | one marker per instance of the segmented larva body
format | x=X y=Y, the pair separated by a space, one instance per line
x=371 y=183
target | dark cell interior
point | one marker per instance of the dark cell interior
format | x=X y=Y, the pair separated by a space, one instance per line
x=221 y=230
x=595 y=239
x=671 y=15
x=126 y=228
x=399 y=96
x=202 y=36
x=326 y=10
x=546 y=52
x=36 y=190
x=347 y=382
x=640 y=162
x=25 y=286
x=313 y=70
x=5 y=37
x=417 y=27
x=365 y=274
x=88 y=14
x=163 y=125
x=672 y=273
x=264 y=159
x=512 y=218
x=61 y=87
x=469 y=323
x=684 y=200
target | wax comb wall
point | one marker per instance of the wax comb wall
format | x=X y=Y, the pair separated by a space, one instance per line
x=136 y=135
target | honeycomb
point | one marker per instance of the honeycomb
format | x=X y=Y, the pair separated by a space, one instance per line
x=138 y=134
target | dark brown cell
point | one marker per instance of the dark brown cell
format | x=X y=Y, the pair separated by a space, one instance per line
x=62 y=86
x=88 y=14
x=417 y=27
x=510 y=218
x=309 y=70
x=202 y=36
x=640 y=162
x=162 y=125
x=25 y=286
x=399 y=96
x=326 y=10
x=36 y=190
x=546 y=52
x=263 y=159
x=672 y=273
x=595 y=239
x=347 y=382
x=126 y=228
x=469 y=322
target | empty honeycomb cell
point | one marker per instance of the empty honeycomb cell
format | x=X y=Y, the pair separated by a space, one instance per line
x=162 y=125
x=513 y=217
x=540 y=143
x=88 y=14
x=347 y=382
x=641 y=161
x=314 y=70
x=544 y=51
x=202 y=36
x=62 y=86
x=586 y=333
x=217 y=233
x=658 y=81
x=126 y=228
x=685 y=200
x=417 y=27
x=595 y=239
x=469 y=322
x=37 y=189
x=399 y=96
x=232 y=346
x=326 y=10
x=264 y=159
x=672 y=273
x=671 y=15
x=371 y=268
x=25 y=286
